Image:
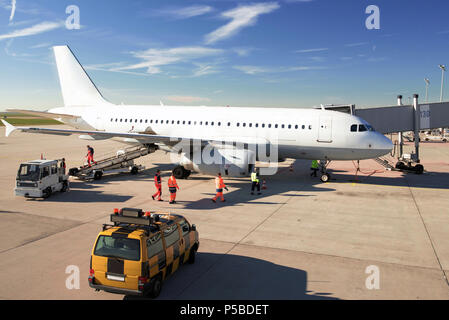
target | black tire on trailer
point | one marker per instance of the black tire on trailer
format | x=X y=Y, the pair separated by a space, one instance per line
x=400 y=165
x=419 y=169
x=98 y=175
x=134 y=170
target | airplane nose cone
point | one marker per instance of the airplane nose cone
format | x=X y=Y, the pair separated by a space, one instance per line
x=384 y=144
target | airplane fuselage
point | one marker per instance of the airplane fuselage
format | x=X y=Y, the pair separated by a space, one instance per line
x=298 y=133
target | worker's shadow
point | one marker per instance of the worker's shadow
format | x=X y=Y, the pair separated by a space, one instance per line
x=234 y=277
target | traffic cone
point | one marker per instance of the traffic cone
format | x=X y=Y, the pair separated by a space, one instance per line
x=264 y=185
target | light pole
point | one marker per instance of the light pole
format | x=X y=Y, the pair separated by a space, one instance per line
x=443 y=69
x=427 y=88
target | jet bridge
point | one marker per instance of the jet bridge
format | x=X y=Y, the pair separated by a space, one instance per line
x=402 y=118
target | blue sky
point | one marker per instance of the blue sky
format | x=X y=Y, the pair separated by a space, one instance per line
x=285 y=53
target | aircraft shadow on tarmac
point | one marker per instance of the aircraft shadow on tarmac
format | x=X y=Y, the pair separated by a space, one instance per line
x=233 y=277
x=83 y=192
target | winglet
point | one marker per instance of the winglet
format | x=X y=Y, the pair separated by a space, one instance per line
x=9 y=128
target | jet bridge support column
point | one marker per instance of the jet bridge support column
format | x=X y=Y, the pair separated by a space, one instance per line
x=417 y=118
x=400 y=137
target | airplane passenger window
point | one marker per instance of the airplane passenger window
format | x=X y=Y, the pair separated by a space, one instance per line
x=283 y=126
x=263 y=125
x=362 y=128
x=310 y=127
x=303 y=127
x=156 y=121
x=206 y=123
x=146 y=120
x=201 y=123
x=257 y=125
x=289 y=126
x=173 y=122
x=120 y=120
x=126 y=120
x=151 y=121
x=135 y=121
x=184 y=122
x=250 y=125
x=167 y=121
x=354 y=128
x=244 y=124
x=212 y=123
x=189 y=122
x=269 y=125
x=219 y=124
x=296 y=126
x=229 y=124
x=141 y=120
x=238 y=124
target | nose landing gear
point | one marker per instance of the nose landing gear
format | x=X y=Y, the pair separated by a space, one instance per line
x=325 y=177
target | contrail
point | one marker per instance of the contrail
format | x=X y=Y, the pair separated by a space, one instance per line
x=13 y=10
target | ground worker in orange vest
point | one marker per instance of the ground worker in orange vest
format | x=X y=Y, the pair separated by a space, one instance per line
x=158 y=184
x=172 y=188
x=219 y=185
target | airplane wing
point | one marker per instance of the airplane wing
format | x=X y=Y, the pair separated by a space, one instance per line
x=141 y=137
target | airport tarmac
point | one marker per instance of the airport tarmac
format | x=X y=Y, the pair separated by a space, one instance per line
x=301 y=239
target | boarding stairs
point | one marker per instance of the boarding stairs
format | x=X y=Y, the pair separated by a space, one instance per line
x=121 y=161
x=385 y=163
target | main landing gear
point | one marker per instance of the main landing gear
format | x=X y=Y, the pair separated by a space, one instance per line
x=181 y=173
x=325 y=177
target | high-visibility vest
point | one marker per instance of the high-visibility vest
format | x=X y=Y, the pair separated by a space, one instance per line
x=254 y=177
x=157 y=179
x=172 y=182
x=314 y=164
x=219 y=183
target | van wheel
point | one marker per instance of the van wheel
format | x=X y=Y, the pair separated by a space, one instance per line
x=155 y=287
x=192 y=256
x=65 y=186
x=47 y=193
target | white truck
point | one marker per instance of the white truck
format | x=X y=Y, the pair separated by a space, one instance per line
x=41 y=178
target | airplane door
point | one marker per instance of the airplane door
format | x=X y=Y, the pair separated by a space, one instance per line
x=325 y=129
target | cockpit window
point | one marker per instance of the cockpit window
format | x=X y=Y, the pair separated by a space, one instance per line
x=362 y=128
x=354 y=128
x=370 y=128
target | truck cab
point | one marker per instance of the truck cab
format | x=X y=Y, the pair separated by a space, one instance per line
x=140 y=250
x=40 y=178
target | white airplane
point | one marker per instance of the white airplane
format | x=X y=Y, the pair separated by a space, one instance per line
x=293 y=133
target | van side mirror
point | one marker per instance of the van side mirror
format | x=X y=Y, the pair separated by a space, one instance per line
x=193 y=227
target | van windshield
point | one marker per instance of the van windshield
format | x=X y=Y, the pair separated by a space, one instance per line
x=28 y=172
x=114 y=247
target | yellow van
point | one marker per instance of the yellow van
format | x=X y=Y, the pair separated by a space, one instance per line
x=140 y=250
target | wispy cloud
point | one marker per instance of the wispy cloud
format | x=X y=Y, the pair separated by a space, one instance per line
x=153 y=59
x=356 y=44
x=241 y=17
x=36 y=29
x=13 y=10
x=253 y=70
x=185 y=12
x=312 y=50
